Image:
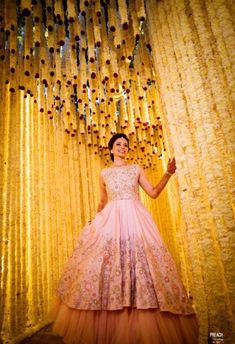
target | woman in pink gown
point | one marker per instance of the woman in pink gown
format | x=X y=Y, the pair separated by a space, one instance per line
x=121 y=285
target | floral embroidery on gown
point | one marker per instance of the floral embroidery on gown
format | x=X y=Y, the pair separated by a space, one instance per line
x=121 y=285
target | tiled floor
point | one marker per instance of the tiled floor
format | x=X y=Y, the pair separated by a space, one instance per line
x=44 y=336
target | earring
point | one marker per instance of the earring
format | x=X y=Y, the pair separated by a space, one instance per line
x=112 y=152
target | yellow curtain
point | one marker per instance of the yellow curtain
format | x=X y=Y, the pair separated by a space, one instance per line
x=193 y=48
x=49 y=191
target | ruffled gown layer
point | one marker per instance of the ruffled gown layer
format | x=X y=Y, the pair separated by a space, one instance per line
x=121 y=285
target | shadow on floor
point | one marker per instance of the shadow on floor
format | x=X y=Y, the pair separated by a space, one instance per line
x=44 y=336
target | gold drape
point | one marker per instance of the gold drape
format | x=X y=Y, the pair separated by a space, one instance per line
x=193 y=44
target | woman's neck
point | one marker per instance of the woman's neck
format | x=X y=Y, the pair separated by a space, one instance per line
x=119 y=162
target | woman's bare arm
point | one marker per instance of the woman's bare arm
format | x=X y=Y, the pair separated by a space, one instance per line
x=154 y=191
x=103 y=195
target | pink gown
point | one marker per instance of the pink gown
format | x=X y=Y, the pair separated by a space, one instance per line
x=121 y=285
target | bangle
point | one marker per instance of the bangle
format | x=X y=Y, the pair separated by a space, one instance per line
x=170 y=174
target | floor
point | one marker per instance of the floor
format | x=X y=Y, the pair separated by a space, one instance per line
x=44 y=336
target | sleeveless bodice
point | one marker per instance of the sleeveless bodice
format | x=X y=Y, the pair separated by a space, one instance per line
x=121 y=182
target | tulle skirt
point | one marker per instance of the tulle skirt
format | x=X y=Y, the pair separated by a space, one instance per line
x=125 y=326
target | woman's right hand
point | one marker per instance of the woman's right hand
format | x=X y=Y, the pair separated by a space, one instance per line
x=171 y=166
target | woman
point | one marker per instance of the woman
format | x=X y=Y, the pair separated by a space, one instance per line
x=121 y=285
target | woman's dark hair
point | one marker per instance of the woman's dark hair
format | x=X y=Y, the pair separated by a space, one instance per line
x=113 y=139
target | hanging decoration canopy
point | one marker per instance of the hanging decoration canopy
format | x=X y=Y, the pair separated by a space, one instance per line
x=88 y=67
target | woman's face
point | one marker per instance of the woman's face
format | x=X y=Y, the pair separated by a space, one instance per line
x=120 y=147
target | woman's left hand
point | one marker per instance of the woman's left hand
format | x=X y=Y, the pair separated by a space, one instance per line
x=171 y=166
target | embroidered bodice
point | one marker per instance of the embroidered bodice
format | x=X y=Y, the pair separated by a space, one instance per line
x=121 y=182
